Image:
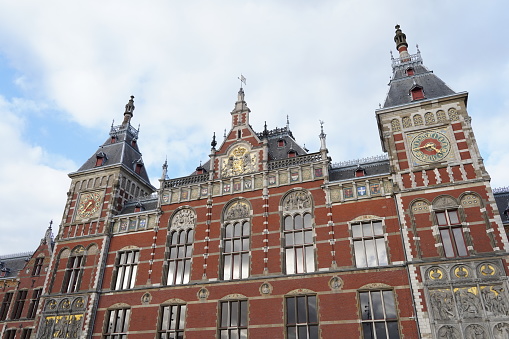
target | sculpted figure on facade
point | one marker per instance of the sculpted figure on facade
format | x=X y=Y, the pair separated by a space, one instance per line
x=442 y=304
x=501 y=331
x=468 y=303
x=475 y=331
x=297 y=201
x=449 y=332
x=495 y=301
x=238 y=210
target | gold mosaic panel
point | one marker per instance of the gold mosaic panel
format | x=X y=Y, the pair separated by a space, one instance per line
x=283 y=178
x=306 y=174
x=258 y=182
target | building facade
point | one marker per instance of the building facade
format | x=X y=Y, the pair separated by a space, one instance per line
x=269 y=240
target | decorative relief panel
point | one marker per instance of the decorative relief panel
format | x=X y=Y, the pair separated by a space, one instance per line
x=444 y=202
x=470 y=200
x=238 y=210
x=418 y=120
x=467 y=300
x=62 y=318
x=420 y=207
x=283 y=178
x=396 y=127
x=183 y=219
x=306 y=174
x=406 y=122
x=239 y=161
x=297 y=201
x=429 y=118
x=258 y=182
x=453 y=114
x=335 y=195
x=441 y=116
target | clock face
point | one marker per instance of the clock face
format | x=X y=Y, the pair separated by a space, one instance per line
x=89 y=204
x=430 y=146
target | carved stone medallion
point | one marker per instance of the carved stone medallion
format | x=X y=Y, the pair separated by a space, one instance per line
x=183 y=219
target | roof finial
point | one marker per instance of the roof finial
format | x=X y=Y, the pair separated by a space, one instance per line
x=165 y=169
x=129 y=109
x=322 y=136
x=242 y=80
x=401 y=44
x=213 y=143
x=287 y=122
x=224 y=135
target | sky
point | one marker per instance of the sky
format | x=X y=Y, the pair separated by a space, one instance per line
x=67 y=69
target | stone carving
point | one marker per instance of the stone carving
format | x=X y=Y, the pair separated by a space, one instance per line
x=436 y=273
x=442 y=304
x=203 y=293
x=146 y=298
x=468 y=303
x=61 y=326
x=461 y=272
x=336 y=283
x=495 y=300
x=238 y=210
x=297 y=201
x=406 y=122
x=444 y=202
x=449 y=332
x=396 y=127
x=183 y=219
x=487 y=269
x=420 y=207
x=453 y=114
x=475 y=331
x=501 y=331
x=470 y=200
x=429 y=118
x=239 y=161
x=418 y=120
x=266 y=288
x=441 y=116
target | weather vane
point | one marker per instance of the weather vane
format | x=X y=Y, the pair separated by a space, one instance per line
x=242 y=80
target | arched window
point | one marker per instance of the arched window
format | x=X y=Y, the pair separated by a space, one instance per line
x=180 y=247
x=298 y=233
x=448 y=220
x=74 y=270
x=236 y=237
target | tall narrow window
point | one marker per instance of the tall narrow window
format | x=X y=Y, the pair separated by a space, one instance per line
x=233 y=319
x=127 y=266
x=180 y=247
x=301 y=317
x=19 y=304
x=451 y=232
x=378 y=315
x=172 y=322
x=37 y=266
x=10 y=334
x=236 y=250
x=117 y=324
x=73 y=274
x=236 y=231
x=6 y=303
x=180 y=254
x=34 y=303
x=369 y=244
x=26 y=333
x=299 y=249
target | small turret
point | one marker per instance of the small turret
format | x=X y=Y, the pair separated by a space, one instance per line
x=129 y=109
x=401 y=44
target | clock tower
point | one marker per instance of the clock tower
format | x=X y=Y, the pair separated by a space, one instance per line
x=446 y=207
x=114 y=174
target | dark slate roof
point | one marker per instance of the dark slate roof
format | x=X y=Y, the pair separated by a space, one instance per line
x=401 y=83
x=502 y=200
x=148 y=203
x=347 y=172
x=121 y=151
x=275 y=151
x=13 y=263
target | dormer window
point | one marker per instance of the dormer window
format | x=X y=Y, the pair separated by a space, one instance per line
x=292 y=154
x=280 y=143
x=417 y=93
x=137 y=168
x=100 y=159
x=113 y=139
x=360 y=172
x=138 y=208
x=133 y=143
x=200 y=170
x=410 y=71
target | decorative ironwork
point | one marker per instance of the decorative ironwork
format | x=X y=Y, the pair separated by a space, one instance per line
x=414 y=58
x=184 y=181
x=366 y=160
x=116 y=130
x=276 y=132
x=501 y=190
x=303 y=159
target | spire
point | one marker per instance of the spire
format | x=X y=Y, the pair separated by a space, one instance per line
x=48 y=236
x=287 y=122
x=214 y=142
x=240 y=114
x=322 y=136
x=165 y=170
x=129 y=109
x=401 y=44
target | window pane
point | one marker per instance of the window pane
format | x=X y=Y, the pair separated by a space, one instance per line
x=189 y=250
x=390 y=307
x=441 y=218
x=227 y=267
x=187 y=271
x=371 y=256
x=313 y=332
x=365 y=306
x=229 y=231
x=292 y=332
x=367 y=230
x=382 y=252
x=308 y=237
x=174 y=238
x=376 y=302
x=236 y=266
x=310 y=259
x=182 y=237
x=302 y=331
x=245 y=265
x=237 y=245
x=237 y=229
x=446 y=241
x=243 y=334
x=173 y=317
x=290 y=261
x=360 y=256
x=171 y=272
x=225 y=319
x=299 y=223
x=245 y=229
x=301 y=310
x=180 y=271
x=299 y=238
x=377 y=228
x=299 y=257
x=224 y=334
x=356 y=231
x=312 y=316
x=289 y=239
x=393 y=330
x=245 y=244
x=234 y=315
x=380 y=330
x=290 y=310
x=307 y=221
x=288 y=223
x=453 y=217
x=460 y=241
x=228 y=246
x=243 y=313
x=190 y=236
x=367 y=328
